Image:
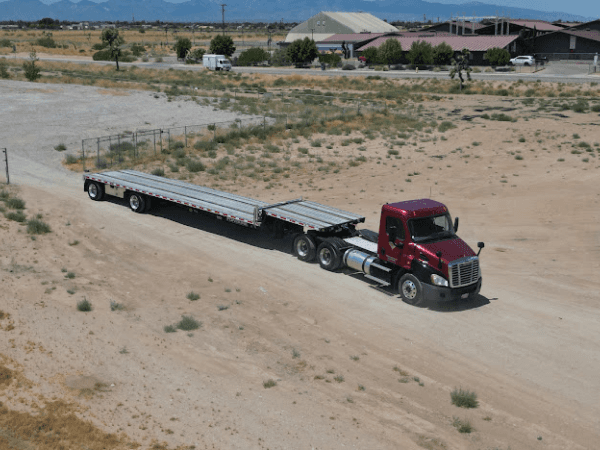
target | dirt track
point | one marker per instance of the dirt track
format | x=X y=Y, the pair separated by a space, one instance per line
x=529 y=346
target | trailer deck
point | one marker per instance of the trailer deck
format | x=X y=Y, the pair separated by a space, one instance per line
x=310 y=215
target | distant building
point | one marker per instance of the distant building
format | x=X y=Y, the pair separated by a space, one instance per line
x=351 y=41
x=326 y=24
x=517 y=26
x=567 y=44
x=454 y=27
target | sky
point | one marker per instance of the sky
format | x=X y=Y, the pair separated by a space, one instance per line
x=586 y=8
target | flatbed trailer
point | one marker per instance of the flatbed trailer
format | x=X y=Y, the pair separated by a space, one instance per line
x=235 y=208
x=416 y=250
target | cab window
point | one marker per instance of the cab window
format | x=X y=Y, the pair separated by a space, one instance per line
x=394 y=229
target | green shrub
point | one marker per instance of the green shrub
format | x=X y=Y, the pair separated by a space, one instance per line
x=60 y=148
x=137 y=50
x=195 y=166
x=70 y=159
x=17 y=216
x=4 y=74
x=46 y=41
x=84 y=305
x=269 y=383
x=5 y=43
x=159 y=171
x=169 y=329
x=205 y=145
x=37 y=226
x=32 y=72
x=463 y=426
x=192 y=296
x=252 y=57
x=188 y=323
x=464 y=399
x=445 y=126
x=15 y=203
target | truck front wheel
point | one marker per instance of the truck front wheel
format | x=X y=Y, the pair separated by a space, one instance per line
x=95 y=191
x=410 y=289
x=137 y=203
x=305 y=248
x=328 y=256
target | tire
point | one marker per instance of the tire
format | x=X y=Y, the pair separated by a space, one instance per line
x=328 y=256
x=148 y=204
x=527 y=64
x=411 y=290
x=137 y=202
x=95 y=191
x=305 y=248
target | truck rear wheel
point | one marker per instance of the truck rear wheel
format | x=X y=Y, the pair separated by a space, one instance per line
x=328 y=256
x=410 y=289
x=95 y=191
x=305 y=248
x=137 y=202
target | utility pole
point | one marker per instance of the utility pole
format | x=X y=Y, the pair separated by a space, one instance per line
x=312 y=34
x=223 y=5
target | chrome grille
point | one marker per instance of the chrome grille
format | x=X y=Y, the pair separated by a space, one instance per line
x=464 y=271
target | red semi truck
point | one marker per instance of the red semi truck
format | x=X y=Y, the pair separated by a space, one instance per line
x=416 y=250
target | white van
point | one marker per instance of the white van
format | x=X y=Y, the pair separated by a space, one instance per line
x=216 y=62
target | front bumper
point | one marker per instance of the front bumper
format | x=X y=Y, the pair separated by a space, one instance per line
x=446 y=294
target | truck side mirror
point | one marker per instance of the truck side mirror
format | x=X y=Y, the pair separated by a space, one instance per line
x=480 y=245
x=455 y=224
x=398 y=243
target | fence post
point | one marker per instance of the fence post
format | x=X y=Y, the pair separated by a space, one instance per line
x=161 y=147
x=82 y=155
x=264 y=123
x=214 y=132
x=98 y=150
x=135 y=155
x=185 y=133
x=154 y=137
x=6 y=162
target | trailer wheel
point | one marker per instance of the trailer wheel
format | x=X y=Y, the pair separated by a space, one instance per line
x=305 y=248
x=137 y=203
x=410 y=289
x=328 y=256
x=95 y=191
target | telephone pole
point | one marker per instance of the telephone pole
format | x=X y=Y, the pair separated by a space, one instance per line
x=223 y=5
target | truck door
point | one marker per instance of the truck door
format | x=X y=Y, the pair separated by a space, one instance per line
x=392 y=243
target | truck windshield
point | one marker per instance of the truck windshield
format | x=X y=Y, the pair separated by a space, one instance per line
x=431 y=228
x=224 y=61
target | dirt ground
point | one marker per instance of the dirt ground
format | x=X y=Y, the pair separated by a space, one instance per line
x=354 y=366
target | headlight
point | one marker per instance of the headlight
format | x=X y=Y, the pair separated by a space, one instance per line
x=439 y=281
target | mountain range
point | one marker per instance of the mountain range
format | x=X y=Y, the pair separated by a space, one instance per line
x=254 y=10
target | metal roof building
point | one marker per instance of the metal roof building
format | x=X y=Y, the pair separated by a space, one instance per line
x=326 y=24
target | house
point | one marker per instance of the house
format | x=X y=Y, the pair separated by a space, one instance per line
x=567 y=44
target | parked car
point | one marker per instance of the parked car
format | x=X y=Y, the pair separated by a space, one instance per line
x=523 y=61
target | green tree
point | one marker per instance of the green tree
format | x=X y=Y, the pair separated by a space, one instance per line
x=371 y=55
x=302 y=51
x=280 y=58
x=110 y=37
x=195 y=55
x=32 y=72
x=222 y=45
x=253 y=56
x=420 y=53
x=182 y=46
x=390 y=52
x=442 y=53
x=330 y=58
x=497 y=56
x=460 y=64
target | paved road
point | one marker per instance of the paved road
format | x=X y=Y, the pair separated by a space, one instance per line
x=556 y=72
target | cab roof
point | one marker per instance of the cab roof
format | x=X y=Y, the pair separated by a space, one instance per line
x=416 y=208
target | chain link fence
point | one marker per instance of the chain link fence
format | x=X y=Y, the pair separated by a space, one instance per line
x=126 y=150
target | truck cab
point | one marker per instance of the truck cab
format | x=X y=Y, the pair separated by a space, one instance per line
x=418 y=237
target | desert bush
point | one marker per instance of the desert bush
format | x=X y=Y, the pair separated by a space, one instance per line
x=159 y=171
x=442 y=53
x=169 y=329
x=84 y=305
x=4 y=69
x=60 y=147
x=192 y=296
x=15 y=203
x=280 y=58
x=5 y=43
x=37 y=226
x=17 y=216
x=32 y=72
x=269 y=383
x=349 y=67
x=188 y=323
x=464 y=399
x=463 y=426
x=390 y=52
x=497 y=56
x=46 y=41
x=445 y=126
x=420 y=53
x=182 y=47
x=195 y=166
x=70 y=159
x=137 y=50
